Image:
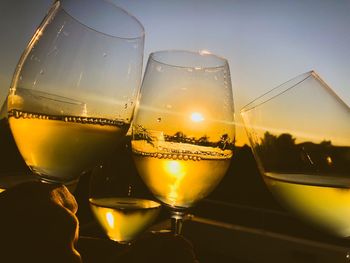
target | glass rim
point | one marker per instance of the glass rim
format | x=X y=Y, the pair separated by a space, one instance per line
x=154 y=56
x=139 y=35
x=280 y=89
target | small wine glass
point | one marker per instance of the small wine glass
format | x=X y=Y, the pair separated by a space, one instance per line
x=300 y=136
x=183 y=128
x=119 y=200
x=73 y=92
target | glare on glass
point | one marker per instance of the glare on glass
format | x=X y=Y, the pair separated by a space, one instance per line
x=300 y=136
x=74 y=89
x=183 y=128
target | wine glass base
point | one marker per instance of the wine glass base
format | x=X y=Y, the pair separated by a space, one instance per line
x=177 y=221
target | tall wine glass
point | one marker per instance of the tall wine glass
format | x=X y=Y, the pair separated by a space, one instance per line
x=183 y=128
x=300 y=136
x=118 y=198
x=73 y=92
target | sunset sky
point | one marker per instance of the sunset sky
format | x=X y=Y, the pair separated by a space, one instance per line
x=266 y=42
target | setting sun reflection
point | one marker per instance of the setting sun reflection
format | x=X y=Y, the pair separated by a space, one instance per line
x=177 y=170
x=174 y=168
x=110 y=219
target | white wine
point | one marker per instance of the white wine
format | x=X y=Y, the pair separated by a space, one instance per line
x=123 y=219
x=13 y=169
x=322 y=200
x=60 y=148
x=180 y=174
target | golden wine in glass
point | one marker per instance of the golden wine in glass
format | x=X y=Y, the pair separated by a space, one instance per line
x=183 y=128
x=74 y=89
x=119 y=199
x=300 y=136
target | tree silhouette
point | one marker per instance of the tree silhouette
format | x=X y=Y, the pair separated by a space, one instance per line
x=282 y=154
x=224 y=141
x=179 y=137
x=141 y=133
x=204 y=140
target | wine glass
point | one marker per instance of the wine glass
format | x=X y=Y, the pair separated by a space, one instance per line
x=183 y=128
x=119 y=200
x=73 y=92
x=300 y=136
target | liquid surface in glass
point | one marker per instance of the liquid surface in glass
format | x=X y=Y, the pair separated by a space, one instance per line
x=318 y=199
x=60 y=146
x=124 y=218
x=180 y=174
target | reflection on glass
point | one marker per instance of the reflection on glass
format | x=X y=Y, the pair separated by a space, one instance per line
x=300 y=135
x=183 y=130
x=74 y=89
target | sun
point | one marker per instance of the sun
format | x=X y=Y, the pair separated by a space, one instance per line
x=196 y=117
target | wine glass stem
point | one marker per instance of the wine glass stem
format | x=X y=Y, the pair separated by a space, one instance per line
x=177 y=221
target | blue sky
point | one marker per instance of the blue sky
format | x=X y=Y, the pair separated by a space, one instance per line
x=266 y=42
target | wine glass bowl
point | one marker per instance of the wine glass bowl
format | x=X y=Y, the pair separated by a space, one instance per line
x=74 y=89
x=119 y=200
x=300 y=136
x=183 y=128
